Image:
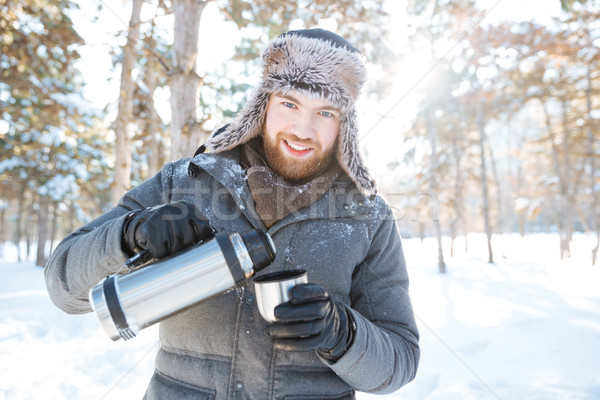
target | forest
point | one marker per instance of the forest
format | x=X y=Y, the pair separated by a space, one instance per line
x=474 y=124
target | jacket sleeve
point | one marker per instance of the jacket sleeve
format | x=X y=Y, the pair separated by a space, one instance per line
x=385 y=353
x=92 y=252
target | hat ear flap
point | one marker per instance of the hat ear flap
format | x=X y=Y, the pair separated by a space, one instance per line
x=348 y=154
x=248 y=124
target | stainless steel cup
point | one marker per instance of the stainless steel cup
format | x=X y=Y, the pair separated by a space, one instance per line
x=274 y=288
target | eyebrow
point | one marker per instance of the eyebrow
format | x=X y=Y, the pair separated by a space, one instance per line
x=326 y=107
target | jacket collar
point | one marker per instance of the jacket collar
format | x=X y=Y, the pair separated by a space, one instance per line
x=226 y=169
x=342 y=200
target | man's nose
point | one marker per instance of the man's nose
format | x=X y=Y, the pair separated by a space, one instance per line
x=304 y=127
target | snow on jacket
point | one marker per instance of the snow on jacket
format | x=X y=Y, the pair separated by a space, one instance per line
x=219 y=349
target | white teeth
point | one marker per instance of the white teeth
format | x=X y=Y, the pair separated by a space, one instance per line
x=296 y=147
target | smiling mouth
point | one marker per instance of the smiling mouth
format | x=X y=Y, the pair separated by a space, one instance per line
x=296 y=147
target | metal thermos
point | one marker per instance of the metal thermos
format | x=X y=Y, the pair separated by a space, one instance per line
x=126 y=304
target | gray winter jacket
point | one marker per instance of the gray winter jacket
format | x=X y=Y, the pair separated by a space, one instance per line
x=219 y=349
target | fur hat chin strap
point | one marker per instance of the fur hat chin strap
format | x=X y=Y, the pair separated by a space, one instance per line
x=313 y=61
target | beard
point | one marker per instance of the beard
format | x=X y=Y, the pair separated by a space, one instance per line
x=292 y=168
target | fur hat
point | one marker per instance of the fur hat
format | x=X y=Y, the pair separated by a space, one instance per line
x=313 y=61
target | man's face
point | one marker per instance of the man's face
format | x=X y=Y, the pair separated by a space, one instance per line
x=300 y=134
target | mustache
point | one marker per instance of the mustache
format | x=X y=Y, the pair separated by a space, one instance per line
x=290 y=137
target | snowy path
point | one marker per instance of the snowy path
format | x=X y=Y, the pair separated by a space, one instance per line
x=527 y=327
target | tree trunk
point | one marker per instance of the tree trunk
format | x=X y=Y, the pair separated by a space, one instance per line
x=593 y=219
x=156 y=155
x=566 y=204
x=561 y=180
x=500 y=217
x=522 y=215
x=29 y=234
x=54 y=224
x=3 y=207
x=570 y=187
x=122 y=173
x=438 y=235
x=458 y=192
x=595 y=249
x=72 y=216
x=27 y=246
x=433 y=191
x=186 y=132
x=484 y=185
x=42 y=232
x=31 y=225
x=3 y=228
x=20 y=218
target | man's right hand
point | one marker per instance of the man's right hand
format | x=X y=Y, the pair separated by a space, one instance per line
x=165 y=229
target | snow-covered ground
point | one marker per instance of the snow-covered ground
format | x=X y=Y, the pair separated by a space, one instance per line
x=526 y=327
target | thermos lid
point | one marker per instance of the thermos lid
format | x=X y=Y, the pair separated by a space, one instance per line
x=261 y=248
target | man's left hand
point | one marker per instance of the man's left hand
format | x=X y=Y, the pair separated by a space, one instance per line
x=311 y=320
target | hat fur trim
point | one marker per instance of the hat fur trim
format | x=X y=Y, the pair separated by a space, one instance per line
x=313 y=66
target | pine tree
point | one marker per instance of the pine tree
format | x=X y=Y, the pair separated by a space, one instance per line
x=44 y=115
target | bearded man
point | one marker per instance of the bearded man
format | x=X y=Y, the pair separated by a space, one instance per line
x=287 y=165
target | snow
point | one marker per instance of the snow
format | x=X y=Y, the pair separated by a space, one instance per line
x=59 y=186
x=81 y=171
x=4 y=126
x=526 y=327
x=75 y=101
x=47 y=354
x=54 y=137
x=521 y=204
x=11 y=163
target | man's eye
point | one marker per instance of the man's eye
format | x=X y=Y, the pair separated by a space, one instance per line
x=289 y=105
x=327 y=114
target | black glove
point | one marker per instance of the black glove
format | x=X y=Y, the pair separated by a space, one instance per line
x=311 y=320
x=165 y=229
